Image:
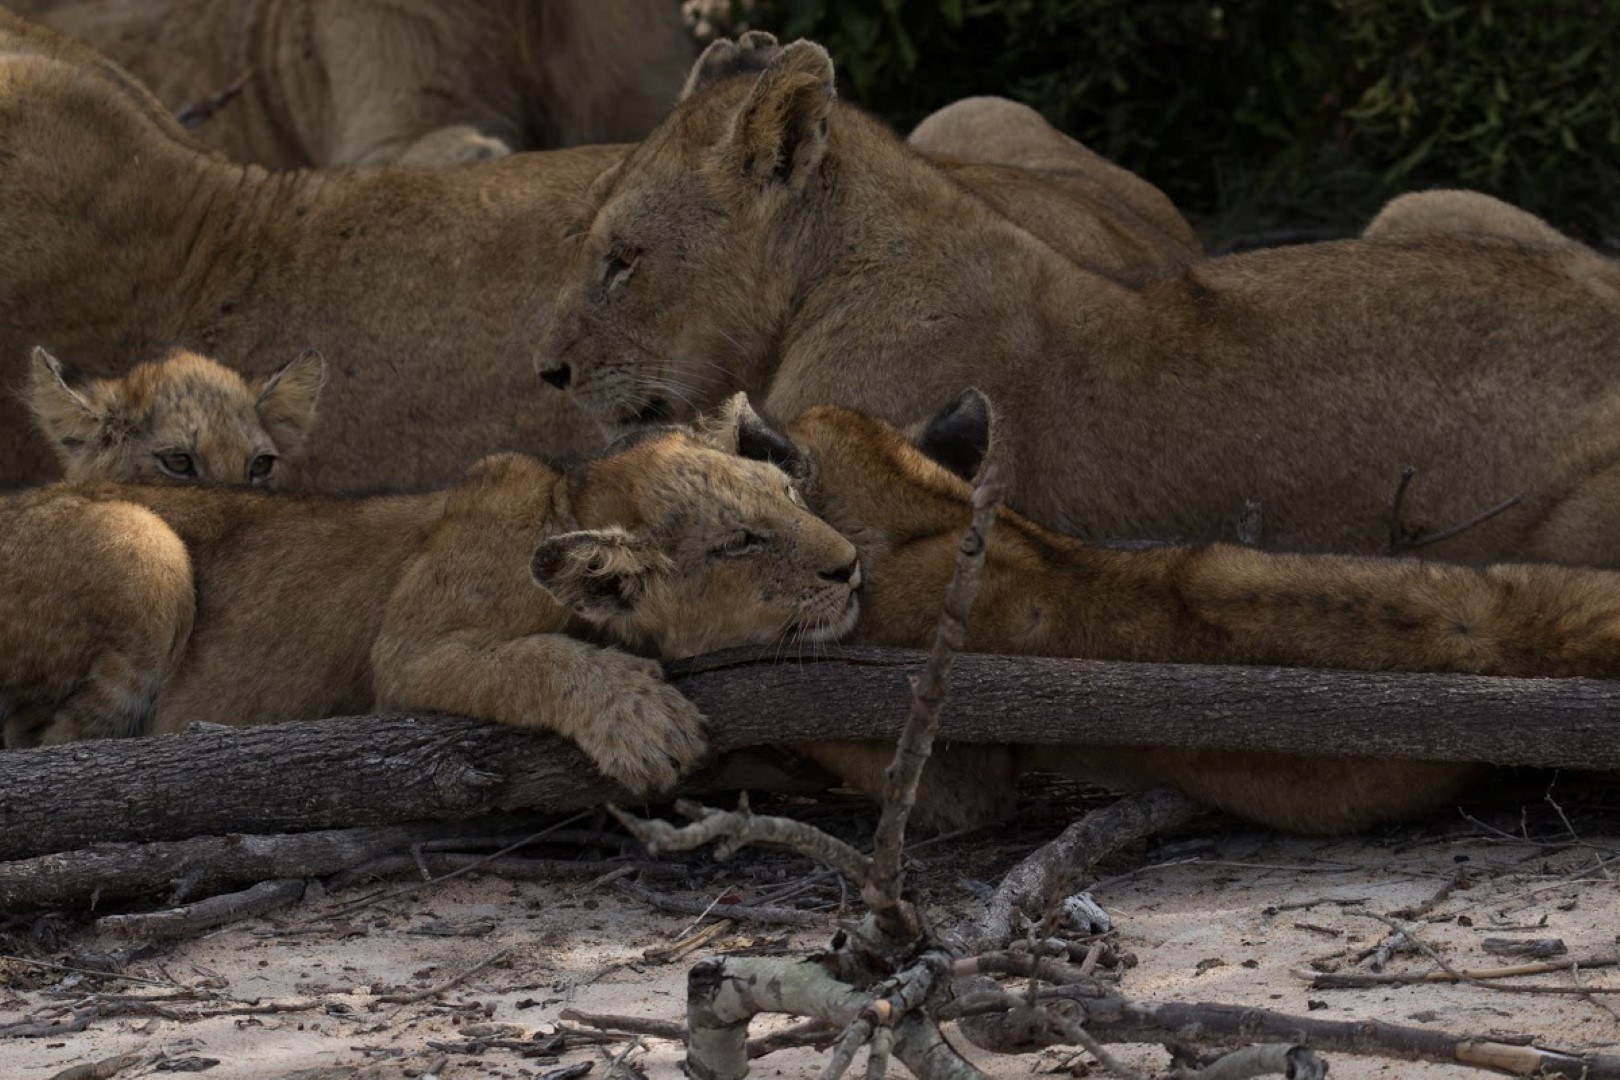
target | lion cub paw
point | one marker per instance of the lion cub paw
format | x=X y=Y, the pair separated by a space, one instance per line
x=459 y=144
x=646 y=733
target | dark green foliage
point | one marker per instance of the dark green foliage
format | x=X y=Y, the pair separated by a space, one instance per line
x=1260 y=111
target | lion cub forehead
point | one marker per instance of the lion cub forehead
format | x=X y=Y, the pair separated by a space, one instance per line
x=184 y=377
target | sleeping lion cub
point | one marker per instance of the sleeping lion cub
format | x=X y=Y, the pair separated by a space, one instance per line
x=155 y=607
x=182 y=419
x=905 y=506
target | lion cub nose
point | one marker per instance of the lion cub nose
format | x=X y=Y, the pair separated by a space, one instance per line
x=844 y=574
x=559 y=377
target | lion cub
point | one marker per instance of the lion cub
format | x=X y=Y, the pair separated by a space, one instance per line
x=905 y=503
x=183 y=419
x=134 y=609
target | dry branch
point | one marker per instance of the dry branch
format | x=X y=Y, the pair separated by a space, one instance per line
x=679 y=905
x=265 y=897
x=382 y=770
x=883 y=889
x=208 y=863
x=1039 y=882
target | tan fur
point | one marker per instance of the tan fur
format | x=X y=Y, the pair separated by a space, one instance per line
x=182 y=419
x=812 y=263
x=1461 y=213
x=309 y=607
x=1047 y=594
x=429 y=289
x=1086 y=207
x=417 y=82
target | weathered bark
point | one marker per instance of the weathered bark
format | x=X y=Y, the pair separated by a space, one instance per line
x=199 y=866
x=379 y=770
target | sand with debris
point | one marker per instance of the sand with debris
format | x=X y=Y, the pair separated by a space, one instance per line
x=1219 y=913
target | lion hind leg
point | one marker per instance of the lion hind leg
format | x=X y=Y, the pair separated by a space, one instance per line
x=1583 y=528
x=1285 y=791
x=1460 y=213
x=962 y=786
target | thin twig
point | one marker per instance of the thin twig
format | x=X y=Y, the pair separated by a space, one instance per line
x=83 y=971
x=1402 y=539
x=448 y=984
x=784 y=916
x=380 y=897
x=883 y=887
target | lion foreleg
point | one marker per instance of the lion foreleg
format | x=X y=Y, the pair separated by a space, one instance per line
x=636 y=727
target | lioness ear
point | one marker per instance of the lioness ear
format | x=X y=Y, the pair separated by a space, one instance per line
x=737 y=429
x=958 y=436
x=65 y=416
x=596 y=573
x=779 y=135
x=288 y=399
x=753 y=51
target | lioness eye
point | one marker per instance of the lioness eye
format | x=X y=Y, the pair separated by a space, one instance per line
x=619 y=265
x=178 y=464
x=744 y=543
x=261 y=467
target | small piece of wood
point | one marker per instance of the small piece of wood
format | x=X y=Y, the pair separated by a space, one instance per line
x=379 y=770
x=260 y=899
x=209 y=863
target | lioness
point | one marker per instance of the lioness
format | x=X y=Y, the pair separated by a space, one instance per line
x=768 y=238
x=411 y=82
x=429 y=288
x=1047 y=594
x=128 y=609
x=1086 y=207
x=181 y=419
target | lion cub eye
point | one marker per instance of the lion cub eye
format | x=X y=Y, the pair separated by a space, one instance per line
x=261 y=467
x=744 y=543
x=178 y=464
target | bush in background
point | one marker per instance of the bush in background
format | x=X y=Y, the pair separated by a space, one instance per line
x=1256 y=113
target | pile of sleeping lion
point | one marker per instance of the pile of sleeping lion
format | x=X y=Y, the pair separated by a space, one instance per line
x=482 y=356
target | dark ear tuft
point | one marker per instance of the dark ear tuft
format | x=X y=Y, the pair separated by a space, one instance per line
x=751 y=53
x=595 y=573
x=959 y=434
x=758 y=441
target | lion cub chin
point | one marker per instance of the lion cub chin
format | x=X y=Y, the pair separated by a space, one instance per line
x=183 y=419
x=137 y=609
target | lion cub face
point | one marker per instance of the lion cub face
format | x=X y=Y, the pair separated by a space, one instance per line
x=184 y=419
x=696 y=541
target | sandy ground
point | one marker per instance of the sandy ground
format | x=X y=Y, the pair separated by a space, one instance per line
x=1219 y=914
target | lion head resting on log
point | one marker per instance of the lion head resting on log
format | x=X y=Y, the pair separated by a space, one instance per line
x=432 y=586
x=767 y=237
x=127 y=609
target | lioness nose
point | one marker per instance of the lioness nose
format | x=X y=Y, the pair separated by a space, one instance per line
x=843 y=573
x=559 y=376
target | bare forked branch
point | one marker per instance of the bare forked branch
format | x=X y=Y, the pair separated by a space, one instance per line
x=883 y=888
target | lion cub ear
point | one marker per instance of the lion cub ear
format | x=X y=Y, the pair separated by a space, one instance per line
x=736 y=428
x=65 y=416
x=752 y=51
x=779 y=135
x=288 y=398
x=958 y=436
x=598 y=574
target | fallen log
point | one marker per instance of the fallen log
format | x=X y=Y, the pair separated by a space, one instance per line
x=354 y=771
